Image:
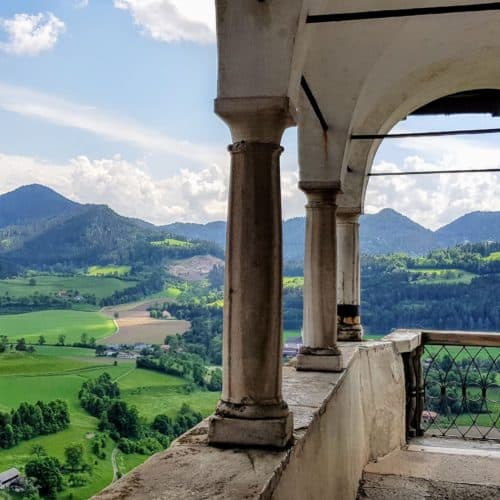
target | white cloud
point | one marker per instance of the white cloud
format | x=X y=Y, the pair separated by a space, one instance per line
x=31 y=34
x=188 y=195
x=115 y=128
x=126 y=187
x=435 y=200
x=173 y=20
x=81 y=4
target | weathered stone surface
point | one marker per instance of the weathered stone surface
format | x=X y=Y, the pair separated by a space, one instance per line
x=349 y=332
x=271 y=432
x=405 y=340
x=320 y=268
x=308 y=362
x=348 y=278
x=446 y=467
x=393 y=487
x=252 y=337
x=341 y=420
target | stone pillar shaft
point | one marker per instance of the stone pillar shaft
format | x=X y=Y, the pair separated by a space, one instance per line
x=320 y=350
x=251 y=411
x=253 y=284
x=348 y=283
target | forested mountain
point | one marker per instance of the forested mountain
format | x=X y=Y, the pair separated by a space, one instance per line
x=388 y=232
x=95 y=234
x=473 y=227
x=385 y=232
x=213 y=231
x=42 y=228
x=33 y=203
x=37 y=225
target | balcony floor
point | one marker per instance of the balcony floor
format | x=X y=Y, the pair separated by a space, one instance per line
x=437 y=469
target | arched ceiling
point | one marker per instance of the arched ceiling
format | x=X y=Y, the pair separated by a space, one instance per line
x=365 y=75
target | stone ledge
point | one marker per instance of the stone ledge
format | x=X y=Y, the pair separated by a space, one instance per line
x=405 y=340
x=341 y=420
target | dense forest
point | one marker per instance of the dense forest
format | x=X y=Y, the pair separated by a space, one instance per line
x=456 y=288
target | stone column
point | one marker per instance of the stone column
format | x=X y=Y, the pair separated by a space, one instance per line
x=251 y=411
x=348 y=284
x=320 y=351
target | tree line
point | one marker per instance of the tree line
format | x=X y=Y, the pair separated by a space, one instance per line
x=101 y=398
x=32 y=420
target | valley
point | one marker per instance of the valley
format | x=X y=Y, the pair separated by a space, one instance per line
x=86 y=292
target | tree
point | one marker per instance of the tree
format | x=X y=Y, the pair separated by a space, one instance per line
x=215 y=382
x=32 y=282
x=39 y=451
x=74 y=456
x=21 y=345
x=4 y=342
x=84 y=339
x=61 y=339
x=46 y=475
x=41 y=340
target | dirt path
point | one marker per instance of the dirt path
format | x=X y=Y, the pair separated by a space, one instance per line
x=114 y=464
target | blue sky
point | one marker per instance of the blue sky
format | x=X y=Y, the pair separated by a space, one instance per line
x=110 y=101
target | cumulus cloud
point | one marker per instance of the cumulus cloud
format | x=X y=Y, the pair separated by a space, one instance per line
x=173 y=20
x=435 y=200
x=31 y=34
x=90 y=119
x=188 y=195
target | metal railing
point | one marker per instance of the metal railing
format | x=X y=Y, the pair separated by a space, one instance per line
x=453 y=385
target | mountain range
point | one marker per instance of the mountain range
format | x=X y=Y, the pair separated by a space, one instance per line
x=385 y=232
x=40 y=227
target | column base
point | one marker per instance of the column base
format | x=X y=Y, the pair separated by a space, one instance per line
x=318 y=363
x=269 y=433
x=349 y=332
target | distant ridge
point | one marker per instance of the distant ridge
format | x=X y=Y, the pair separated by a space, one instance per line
x=33 y=202
x=38 y=223
x=473 y=227
x=385 y=232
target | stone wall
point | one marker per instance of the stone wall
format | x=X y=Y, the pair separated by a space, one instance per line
x=341 y=421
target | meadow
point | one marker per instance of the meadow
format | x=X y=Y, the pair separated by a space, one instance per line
x=493 y=256
x=171 y=242
x=47 y=284
x=446 y=276
x=293 y=282
x=108 y=270
x=58 y=372
x=53 y=323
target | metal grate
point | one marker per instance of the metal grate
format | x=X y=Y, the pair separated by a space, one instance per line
x=462 y=391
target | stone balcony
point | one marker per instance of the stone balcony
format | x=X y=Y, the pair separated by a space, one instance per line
x=349 y=441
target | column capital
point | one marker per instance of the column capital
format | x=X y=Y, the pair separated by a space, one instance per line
x=320 y=186
x=348 y=215
x=255 y=119
x=320 y=193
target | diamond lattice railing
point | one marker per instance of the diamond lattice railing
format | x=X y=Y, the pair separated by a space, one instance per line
x=462 y=391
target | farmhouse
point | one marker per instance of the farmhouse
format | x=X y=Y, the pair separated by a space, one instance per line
x=9 y=478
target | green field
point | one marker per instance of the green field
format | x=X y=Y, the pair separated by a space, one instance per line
x=287 y=334
x=492 y=256
x=51 y=324
x=46 y=284
x=171 y=242
x=108 y=270
x=293 y=282
x=449 y=276
x=23 y=377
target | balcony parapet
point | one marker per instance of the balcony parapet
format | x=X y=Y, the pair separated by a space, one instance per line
x=341 y=422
